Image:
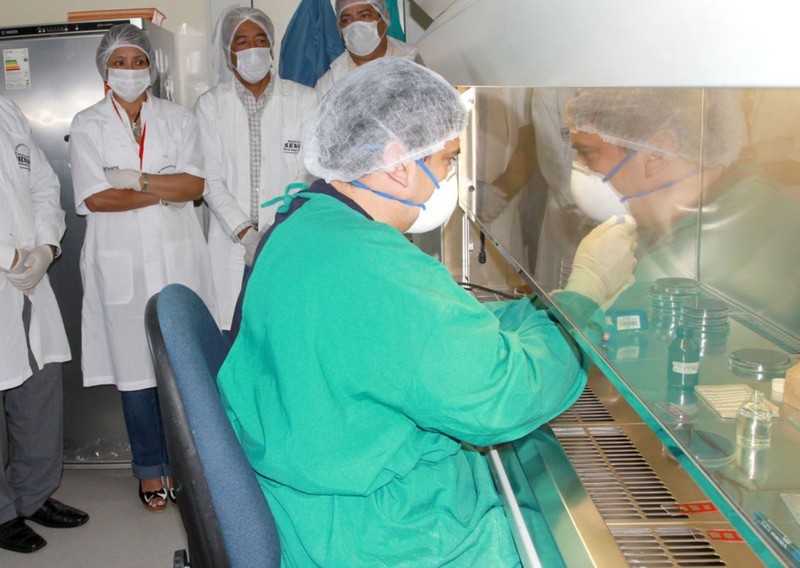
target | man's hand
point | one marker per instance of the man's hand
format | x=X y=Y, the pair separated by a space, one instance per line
x=604 y=260
x=33 y=269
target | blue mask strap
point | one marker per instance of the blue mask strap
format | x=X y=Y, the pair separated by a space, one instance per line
x=287 y=197
x=660 y=187
x=429 y=172
x=387 y=196
x=618 y=167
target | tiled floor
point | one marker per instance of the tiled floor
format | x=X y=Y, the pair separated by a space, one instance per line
x=120 y=532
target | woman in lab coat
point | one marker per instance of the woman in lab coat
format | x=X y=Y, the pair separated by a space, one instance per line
x=135 y=163
x=249 y=159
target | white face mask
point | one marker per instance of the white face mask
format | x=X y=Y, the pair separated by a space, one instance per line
x=598 y=199
x=128 y=84
x=253 y=64
x=361 y=38
x=439 y=207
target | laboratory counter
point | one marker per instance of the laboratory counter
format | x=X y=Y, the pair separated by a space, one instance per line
x=646 y=468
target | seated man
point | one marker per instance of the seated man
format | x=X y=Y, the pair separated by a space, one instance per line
x=363 y=25
x=361 y=365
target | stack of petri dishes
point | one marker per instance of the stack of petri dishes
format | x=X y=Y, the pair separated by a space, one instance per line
x=708 y=320
x=760 y=363
x=666 y=297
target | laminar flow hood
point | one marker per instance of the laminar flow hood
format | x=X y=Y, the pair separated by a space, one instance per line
x=616 y=43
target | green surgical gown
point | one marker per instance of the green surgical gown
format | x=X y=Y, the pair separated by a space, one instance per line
x=359 y=367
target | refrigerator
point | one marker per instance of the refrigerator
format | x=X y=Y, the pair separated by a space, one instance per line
x=50 y=72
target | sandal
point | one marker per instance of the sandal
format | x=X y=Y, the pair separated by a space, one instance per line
x=147 y=497
x=171 y=492
x=173 y=496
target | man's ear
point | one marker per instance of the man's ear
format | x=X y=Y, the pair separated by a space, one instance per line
x=666 y=140
x=399 y=173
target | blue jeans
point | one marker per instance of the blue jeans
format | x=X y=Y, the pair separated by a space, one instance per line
x=145 y=433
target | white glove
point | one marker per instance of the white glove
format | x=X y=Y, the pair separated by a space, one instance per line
x=19 y=266
x=34 y=267
x=124 y=179
x=250 y=242
x=604 y=260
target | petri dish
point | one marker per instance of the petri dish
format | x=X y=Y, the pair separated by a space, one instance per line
x=710 y=449
x=760 y=362
x=675 y=286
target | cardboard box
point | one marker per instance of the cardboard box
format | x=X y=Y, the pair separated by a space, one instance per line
x=150 y=14
x=791 y=388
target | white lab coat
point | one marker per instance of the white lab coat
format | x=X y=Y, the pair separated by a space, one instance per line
x=129 y=256
x=343 y=64
x=30 y=215
x=224 y=133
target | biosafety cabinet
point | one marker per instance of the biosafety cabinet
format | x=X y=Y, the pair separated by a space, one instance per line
x=647 y=468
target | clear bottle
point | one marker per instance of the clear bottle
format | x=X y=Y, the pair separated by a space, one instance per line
x=683 y=360
x=753 y=422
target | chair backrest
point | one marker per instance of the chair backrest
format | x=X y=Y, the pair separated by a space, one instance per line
x=226 y=516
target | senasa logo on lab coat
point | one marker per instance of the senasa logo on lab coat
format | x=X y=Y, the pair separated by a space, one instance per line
x=291 y=147
x=23 y=156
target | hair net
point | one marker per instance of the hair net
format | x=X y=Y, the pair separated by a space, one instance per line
x=389 y=100
x=379 y=5
x=229 y=21
x=124 y=35
x=708 y=124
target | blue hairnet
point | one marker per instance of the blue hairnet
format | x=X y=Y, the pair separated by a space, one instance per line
x=229 y=21
x=124 y=35
x=390 y=101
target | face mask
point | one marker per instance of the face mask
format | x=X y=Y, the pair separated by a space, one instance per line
x=440 y=205
x=597 y=197
x=436 y=210
x=361 y=38
x=253 y=64
x=128 y=84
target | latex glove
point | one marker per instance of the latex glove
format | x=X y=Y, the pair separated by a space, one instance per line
x=491 y=201
x=34 y=267
x=250 y=242
x=604 y=260
x=19 y=266
x=124 y=179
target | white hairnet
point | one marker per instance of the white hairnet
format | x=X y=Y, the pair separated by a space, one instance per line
x=229 y=21
x=379 y=5
x=709 y=125
x=388 y=100
x=124 y=35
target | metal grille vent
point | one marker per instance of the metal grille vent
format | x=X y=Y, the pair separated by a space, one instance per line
x=667 y=547
x=587 y=408
x=619 y=480
x=772 y=334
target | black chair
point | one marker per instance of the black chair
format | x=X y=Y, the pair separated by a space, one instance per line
x=227 y=519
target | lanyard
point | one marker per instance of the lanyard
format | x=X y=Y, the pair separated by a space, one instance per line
x=141 y=138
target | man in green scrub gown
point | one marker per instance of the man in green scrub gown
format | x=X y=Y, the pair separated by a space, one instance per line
x=360 y=366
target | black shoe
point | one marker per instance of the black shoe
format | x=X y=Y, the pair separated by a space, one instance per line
x=58 y=516
x=17 y=536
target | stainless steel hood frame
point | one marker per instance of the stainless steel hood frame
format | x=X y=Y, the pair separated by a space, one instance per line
x=616 y=43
